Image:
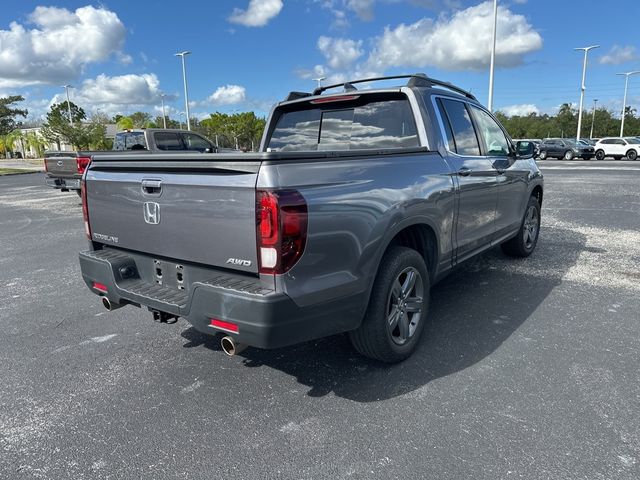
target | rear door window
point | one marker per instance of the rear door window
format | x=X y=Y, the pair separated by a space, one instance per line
x=464 y=134
x=357 y=125
x=195 y=142
x=168 y=141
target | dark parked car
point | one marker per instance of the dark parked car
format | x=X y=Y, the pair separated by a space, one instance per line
x=565 y=148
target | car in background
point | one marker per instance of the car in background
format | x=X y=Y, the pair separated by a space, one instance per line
x=618 y=147
x=588 y=141
x=565 y=148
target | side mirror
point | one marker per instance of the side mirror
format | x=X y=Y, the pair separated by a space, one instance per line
x=524 y=149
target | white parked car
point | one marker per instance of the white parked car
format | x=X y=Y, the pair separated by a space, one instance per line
x=618 y=148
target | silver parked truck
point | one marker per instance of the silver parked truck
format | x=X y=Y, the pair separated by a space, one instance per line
x=357 y=203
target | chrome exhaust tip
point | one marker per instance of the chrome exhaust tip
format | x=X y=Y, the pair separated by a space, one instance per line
x=109 y=305
x=230 y=347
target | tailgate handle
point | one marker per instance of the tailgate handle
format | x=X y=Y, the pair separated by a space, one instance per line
x=151 y=187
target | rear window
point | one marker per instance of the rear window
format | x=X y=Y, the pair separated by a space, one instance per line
x=168 y=141
x=355 y=125
x=129 y=140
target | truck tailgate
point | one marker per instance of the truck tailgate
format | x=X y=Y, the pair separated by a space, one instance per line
x=62 y=164
x=199 y=211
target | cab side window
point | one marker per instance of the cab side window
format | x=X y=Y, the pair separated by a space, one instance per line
x=168 y=141
x=495 y=141
x=196 y=142
x=458 y=125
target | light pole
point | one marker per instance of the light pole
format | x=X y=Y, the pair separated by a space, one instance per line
x=164 y=117
x=593 y=117
x=180 y=115
x=319 y=80
x=184 y=79
x=66 y=89
x=624 y=100
x=493 y=55
x=582 y=86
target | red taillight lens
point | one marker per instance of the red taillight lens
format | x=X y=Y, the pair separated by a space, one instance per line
x=101 y=287
x=46 y=168
x=83 y=163
x=281 y=229
x=85 y=210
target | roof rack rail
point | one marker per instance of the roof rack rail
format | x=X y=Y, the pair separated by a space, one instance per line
x=415 y=80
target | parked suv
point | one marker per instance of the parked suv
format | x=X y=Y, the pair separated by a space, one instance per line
x=564 y=148
x=357 y=203
x=618 y=147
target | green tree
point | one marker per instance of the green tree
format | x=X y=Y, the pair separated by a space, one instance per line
x=125 y=123
x=57 y=128
x=8 y=113
x=140 y=119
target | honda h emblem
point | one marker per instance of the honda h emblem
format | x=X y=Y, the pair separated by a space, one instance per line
x=151 y=212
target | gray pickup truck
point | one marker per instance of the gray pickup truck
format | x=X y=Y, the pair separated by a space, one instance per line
x=64 y=169
x=358 y=202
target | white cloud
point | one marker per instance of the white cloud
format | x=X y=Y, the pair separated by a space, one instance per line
x=257 y=14
x=340 y=52
x=519 y=110
x=59 y=46
x=362 y=8
x=316 y=72
x=458 y=42
x=619 y=54
x=228 y=95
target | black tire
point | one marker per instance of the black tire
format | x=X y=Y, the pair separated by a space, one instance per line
x=524 y=243
x=568 y=155
x=632 y=154
x=600 y=155
x=376 y=337
x=542 y=155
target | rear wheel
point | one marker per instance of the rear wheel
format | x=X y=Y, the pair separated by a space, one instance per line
x=524 y=243
x=397 y=309
x=568 y=155
x=632 y=154
x=542 y=155
x=600 y=154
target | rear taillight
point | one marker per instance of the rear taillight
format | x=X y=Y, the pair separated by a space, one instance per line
x=83 y=163
x=281 y=227
x=85 y=210
x=46 y=168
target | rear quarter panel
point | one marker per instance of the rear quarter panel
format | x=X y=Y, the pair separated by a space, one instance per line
x=356 y=206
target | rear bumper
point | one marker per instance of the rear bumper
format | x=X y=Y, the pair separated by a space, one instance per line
x=63 y=183
x=265 y=318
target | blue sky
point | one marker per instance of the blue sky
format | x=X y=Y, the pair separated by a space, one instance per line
x=247 y=54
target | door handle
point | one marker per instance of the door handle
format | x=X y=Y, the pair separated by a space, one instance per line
x=151 y=186
x=464 y=172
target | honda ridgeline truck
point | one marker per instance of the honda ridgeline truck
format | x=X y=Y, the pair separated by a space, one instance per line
x=357 y=203
x=64 y=170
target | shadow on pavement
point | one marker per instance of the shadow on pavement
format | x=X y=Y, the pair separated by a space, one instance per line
x=473 y=311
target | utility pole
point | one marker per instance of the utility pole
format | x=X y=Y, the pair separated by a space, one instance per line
x=582 y=86
x=184 y=80
x=164 y=117
x=493 y=55
x=66 y=89
x=593 y=117
x=624 y=100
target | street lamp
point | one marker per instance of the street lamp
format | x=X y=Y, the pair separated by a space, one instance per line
x=181 y=114
x=493 y=55
x=66 y=89
x=184 y=79
x=319 y=80
x=582 y=86
x=164 y=117
x=593 y=117
x=624 y=101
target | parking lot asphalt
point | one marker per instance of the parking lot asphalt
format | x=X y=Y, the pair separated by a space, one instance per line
x=528 y=368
